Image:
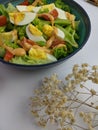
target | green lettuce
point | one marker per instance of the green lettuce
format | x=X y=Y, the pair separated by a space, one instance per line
x=3 y=10
x=62 y=22
x=41 y=43
x=11 y=44
x=40 y=23
x=21 y=31
x=27 y=60
x=11 y=8
x=2 y=52
x=2 y=29
x=60 y=52
x=70 y=34
x=60 y=4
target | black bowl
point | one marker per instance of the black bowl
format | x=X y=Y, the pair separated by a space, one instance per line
x=84 y=33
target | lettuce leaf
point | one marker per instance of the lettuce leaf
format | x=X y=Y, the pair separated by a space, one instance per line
x=26 y=60
x=62 y=22
x=60 y=52
x=60 y=4
x=12 y=44
x=70 y=34
x=2 y=29
x=2 y=52
x=3 y=10
x=10 y=8
x=21 y=31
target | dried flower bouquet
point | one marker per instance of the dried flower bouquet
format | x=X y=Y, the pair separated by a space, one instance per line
x=68 y=103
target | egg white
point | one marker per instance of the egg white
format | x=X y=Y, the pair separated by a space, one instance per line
x=61 y=13
x=36 y=9
x=29 y=17
x=22 y=8
x=51 y=58
x=34 y=37
x=60 y=33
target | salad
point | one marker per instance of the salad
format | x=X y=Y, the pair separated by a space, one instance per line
x=34 y=32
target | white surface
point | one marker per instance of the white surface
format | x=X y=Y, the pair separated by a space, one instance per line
x=16 y=86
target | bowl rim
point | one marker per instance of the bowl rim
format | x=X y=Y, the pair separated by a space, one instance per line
x=70 y=3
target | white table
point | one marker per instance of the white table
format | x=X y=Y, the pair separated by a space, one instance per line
x=16 y=86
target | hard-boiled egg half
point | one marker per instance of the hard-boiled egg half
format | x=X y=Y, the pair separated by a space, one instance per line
x=35 y=9
x=37 y=53
x=29 y=8
x=21 y=18
x=40 y=54
x=50 y=7
x=34 y=33
x=48 y=31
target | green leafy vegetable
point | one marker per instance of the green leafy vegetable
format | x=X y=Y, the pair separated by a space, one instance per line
x=11 y=8
x=46 y=10
x=60 y=4
x=2 y=52
x=62 y=22
x=26 y=60
x=2 y=29
x=60 y=52
x=69 y=48
x=41 y=43
x=9 y=26
x=21 y=31
x=40 y=23
x=3 y=10
x=69 y=35
x=11 y=44
x=37 y=22
x=19 y=60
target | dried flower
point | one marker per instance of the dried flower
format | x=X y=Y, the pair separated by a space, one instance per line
x=61 y=102
x=93 y=92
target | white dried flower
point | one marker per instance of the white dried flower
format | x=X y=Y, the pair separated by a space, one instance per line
x=59 y=102
x=93 y=92
x=95 y=67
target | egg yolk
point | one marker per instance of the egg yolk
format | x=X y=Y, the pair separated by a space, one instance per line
x=17 y=17
x=34 y=30
x=37 y=53
x=47 y=29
